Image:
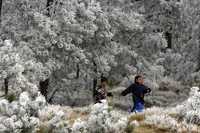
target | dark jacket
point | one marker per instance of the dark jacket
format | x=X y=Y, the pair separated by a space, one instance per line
x=138 y=91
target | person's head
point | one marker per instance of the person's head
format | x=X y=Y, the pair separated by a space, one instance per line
x=139 y=79
x=104 y=81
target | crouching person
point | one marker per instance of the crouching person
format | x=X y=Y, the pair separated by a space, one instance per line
x=102 y=91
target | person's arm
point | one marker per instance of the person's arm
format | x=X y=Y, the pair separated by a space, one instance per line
x=147 y=90
x=127 y=90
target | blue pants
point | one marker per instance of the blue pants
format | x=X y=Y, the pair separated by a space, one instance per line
x=138 y=106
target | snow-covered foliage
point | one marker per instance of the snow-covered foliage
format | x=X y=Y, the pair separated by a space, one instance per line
x=53 y=118
x=22 y=115
x=13 y=65
x=101 y=120
x=189 y=110
x=33 y=114
x=182 y=118
x=75 y=42
x=164 y=121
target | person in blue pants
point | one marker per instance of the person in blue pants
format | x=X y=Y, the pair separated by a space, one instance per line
x=138 y=90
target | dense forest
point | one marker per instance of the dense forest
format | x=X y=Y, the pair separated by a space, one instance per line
x=55 y=53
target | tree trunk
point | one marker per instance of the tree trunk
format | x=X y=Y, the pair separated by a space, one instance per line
x=48 y=6
x=77 y=71
x=52 y=95
x=198 y=69
x=44 y=87
x=0 y=10
x=6 y=85
x=168 y=37
x=95 y=79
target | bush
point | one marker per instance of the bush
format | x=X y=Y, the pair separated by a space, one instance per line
x=101 y=120
x=20 y=116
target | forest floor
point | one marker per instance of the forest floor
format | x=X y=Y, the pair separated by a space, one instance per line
x=142 y=126
x=137 y=123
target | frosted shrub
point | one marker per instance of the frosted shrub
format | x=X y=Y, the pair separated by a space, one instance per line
x=20 y=116
x=169 y=84
x=3 y=106
x=152 y=110
x=39 y=102
x=48 y=112
x=162 y=121
x=13 y=66
x=190 y=108
x=24 y=99
x=79 y=126
x=53 y=117
x=196 y=77
x=101 y=120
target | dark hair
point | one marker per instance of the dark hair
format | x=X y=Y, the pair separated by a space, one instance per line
x=104 y=79
x=137 y=77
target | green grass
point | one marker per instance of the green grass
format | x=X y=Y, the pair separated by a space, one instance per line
x=11 y=97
